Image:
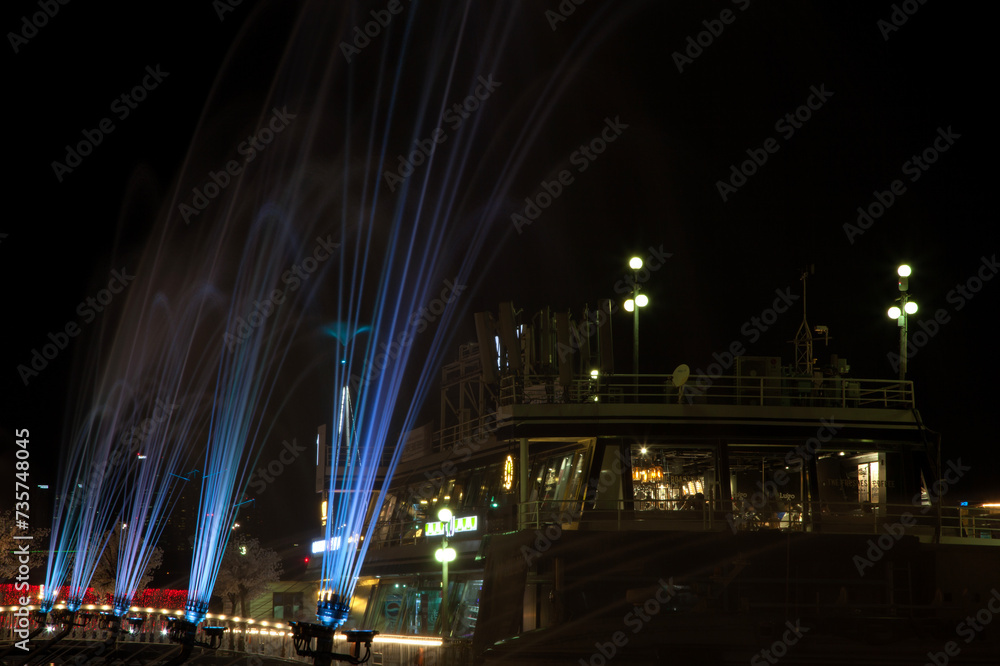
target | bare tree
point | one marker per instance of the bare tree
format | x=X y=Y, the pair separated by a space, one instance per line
x=246 y=571
x=103 y=580
x=13 y=549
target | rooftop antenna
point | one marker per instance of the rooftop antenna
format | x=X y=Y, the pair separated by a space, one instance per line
x=803 y=337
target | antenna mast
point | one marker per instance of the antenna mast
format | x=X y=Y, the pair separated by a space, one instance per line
x=803 y=337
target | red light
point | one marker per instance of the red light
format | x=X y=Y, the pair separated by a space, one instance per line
x=307 y=560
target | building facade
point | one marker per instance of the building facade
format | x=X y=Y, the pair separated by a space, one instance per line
x=584 y=499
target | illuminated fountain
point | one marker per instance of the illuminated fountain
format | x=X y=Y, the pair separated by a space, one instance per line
x=400 y=238
x=391 y=243
x=242 y=394
x=120 y=466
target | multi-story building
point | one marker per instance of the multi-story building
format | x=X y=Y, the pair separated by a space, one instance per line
x=668 y=516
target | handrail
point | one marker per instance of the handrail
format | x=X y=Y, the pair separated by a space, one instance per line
x=829 y=517
x=467 y=432
x=705 y=389
x=930 y=522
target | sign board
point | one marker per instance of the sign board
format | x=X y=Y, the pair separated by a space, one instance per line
x=467 y=524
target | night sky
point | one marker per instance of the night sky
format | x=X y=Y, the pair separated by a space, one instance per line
x=833 y=100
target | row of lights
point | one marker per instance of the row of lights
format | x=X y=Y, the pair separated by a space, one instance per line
x=386 y=638
x=162 y=611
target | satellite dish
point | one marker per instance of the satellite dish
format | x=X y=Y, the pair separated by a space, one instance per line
x=681 y=374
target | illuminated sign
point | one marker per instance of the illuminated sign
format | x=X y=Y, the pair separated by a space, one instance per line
x=508 y=473
x=467 y=524
x=320 y=546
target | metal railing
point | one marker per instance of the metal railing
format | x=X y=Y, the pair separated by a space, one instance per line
x=265 y=638
x=707 y=390
x=465 y=435
x=241 y=643
x=930 y=523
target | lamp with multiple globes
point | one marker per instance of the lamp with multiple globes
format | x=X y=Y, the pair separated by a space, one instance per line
x=444 y=555
x=901 y=312
x=632 y=305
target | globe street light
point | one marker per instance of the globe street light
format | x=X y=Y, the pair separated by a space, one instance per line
x=444 y=555
x=632 y=305
x=901 y=312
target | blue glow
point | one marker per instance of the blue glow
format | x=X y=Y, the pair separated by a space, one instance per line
x=90 y=490
x=241 y=396
x=396 y=292
x=343 y=332
x=220 y=365
x=154 y=484
x=121 y=462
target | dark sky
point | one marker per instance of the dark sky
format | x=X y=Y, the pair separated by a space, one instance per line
x=885 y=96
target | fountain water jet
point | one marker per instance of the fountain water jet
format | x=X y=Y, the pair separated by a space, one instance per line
x=396 y=250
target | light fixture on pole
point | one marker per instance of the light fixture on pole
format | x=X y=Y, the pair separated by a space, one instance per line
x=901 y=312
x=632 y=305
x=444 y=555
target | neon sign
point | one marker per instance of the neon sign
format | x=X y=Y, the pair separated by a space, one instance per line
x=467 y=524
x=508 y=472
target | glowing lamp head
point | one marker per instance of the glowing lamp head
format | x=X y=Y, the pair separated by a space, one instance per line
x=903 y=271
x=194 y=611
x=894 y=312
x=445 y=515
x=445 y=555
x=629 y=305
x=910 y=307
x=641 y=300
x=121 y=606
x=635 y=263
x=333 y=611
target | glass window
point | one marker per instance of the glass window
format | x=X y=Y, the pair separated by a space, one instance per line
x=557 y=481
x=413 y=608
x=287 y=605
x=868 y=482
x=670 y=478
x=392 y=609
x=463 y=598
x=474 y=490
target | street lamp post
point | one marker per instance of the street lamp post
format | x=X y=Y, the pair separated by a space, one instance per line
x=632 y=305
x=444 y=555
x=901 y=313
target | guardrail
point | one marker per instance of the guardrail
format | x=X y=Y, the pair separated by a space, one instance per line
x=259 y=641
x=241 y=637
x=927 y=522
x=708 y=390
x=467 y=436
x=697 y=390
x=930 y=523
